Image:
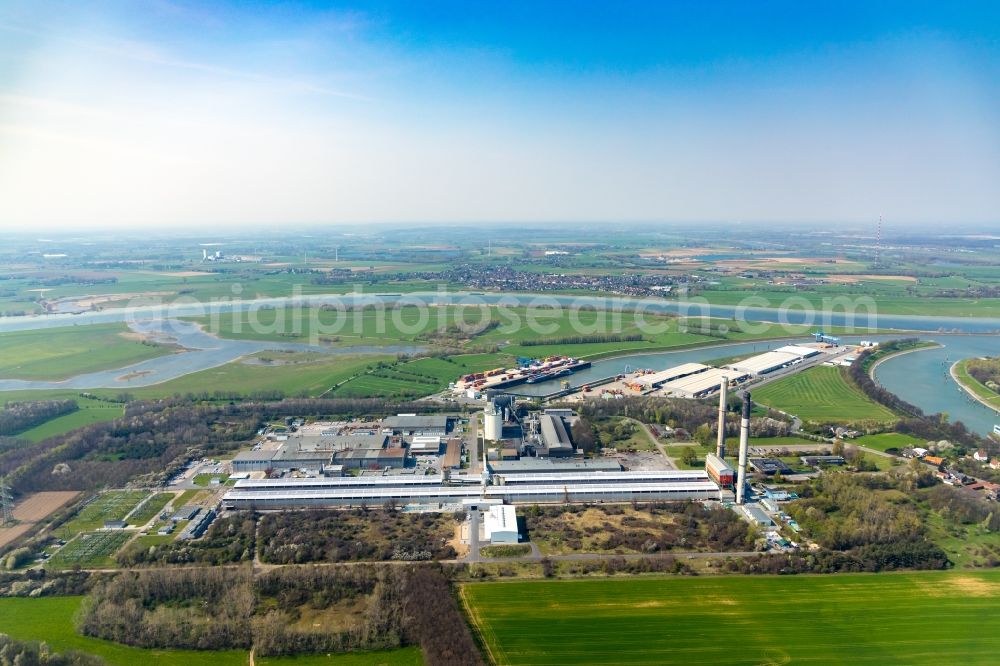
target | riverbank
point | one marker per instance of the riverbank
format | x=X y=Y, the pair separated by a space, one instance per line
x=969 y=384
x=924 y=346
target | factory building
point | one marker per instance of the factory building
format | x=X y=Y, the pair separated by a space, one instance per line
x=762 y=364
x=555 y=437
x=606 y=478
x=757 y=515
x=425 y=445
x=719 y=470
x=197 y=526
x=553 y=466
x=372 y=459
x=801 y=351
x=702 y=384
x=658 y=379
x=412 y=424
x=452 y=454
x=449 y=495
x=288 y=458
x=253 y=461
x=500 y=524
x=315 y=453
x=364 y=481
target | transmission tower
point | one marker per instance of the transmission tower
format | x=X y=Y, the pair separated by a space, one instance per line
x=878 y=241
x=5 y=503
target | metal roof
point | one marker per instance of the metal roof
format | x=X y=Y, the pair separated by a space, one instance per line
x=401 y=422
x=762 y=363
x=554 y=432
x=703 y=382
x=798 y=350
x=500 y=518
x=559 y=490
x=718 y=465
x=255 y=456
x=339 y=482
x=553 y=466
x=601 y=476
x=670 y=374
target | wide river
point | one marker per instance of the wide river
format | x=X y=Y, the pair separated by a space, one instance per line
x=921 y=378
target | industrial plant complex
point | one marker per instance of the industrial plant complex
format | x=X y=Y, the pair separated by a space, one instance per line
x=445 y=462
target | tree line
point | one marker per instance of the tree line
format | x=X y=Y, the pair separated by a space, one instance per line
x=581 y=340
x=29 y=653
x=17 y=417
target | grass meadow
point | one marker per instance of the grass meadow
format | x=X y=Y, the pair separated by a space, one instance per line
x=914 y=618
x=59 y=353
x=821 y=394
x=91 y=411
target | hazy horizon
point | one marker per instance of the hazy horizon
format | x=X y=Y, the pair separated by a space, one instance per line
x=194 y=115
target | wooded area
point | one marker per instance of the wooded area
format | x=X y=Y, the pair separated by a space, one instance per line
x=17 y=417
x=215 y=608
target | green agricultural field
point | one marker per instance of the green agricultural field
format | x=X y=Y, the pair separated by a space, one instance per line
x=152 y=508
x=821 y=394
x=96 y=412
x=90 y=550
x=50 y=619
x=112 y=505
x=402 y=657
x=58 y=353
x=915 y=618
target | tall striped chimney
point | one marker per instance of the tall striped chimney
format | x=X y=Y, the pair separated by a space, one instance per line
x=720 y=447
x=741 y=479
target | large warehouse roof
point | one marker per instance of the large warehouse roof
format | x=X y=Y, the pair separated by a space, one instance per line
x=670 y=374
x=764 y=363
x=338 y=482
x=255 y=456
x=703 y=383
x=416 y=422
x=799 y=350
x=554 y=433
x=456 y=493
x=550 y=466
x=608 y=477
x=340 y=442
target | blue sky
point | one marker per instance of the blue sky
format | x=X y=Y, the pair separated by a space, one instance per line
x=193 y=114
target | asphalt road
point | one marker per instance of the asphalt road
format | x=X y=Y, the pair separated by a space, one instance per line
x=474 y=544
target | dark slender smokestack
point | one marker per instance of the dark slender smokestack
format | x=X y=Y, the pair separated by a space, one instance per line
x=720 y=447
x=741 y=477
